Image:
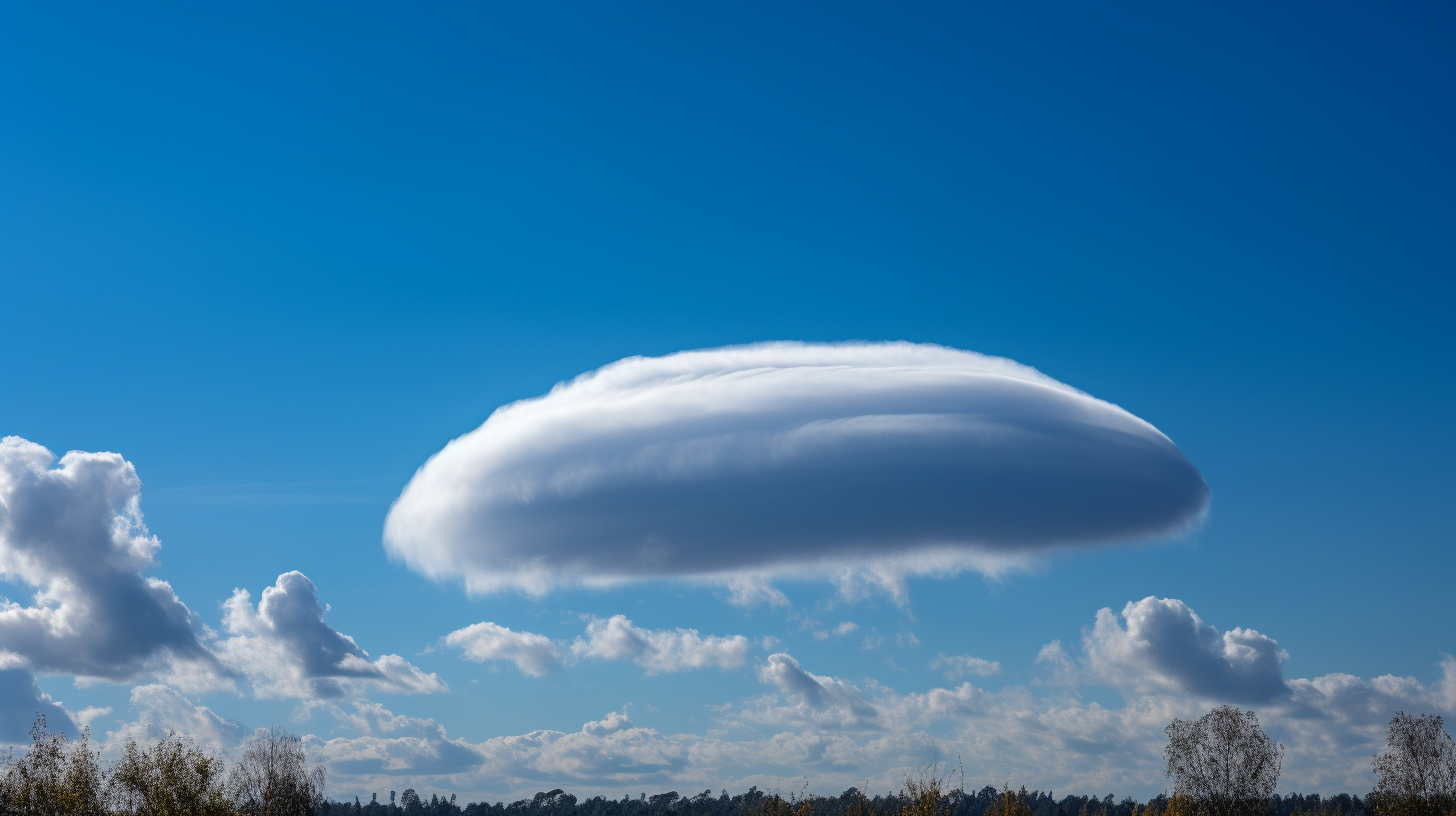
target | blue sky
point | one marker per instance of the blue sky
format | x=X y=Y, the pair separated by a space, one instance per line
x=278 y=256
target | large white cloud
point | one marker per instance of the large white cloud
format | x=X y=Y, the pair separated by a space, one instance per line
x=787 y=457
x=75 y=533
x=285 y=648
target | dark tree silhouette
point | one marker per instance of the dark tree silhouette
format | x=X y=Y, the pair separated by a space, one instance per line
x=274 y=778
x=1416 y=773
x=1223 y=762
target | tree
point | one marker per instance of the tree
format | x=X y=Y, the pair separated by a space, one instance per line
x=274 y=777
x=54 y=776
x=83 y=782
x=1415 y=774
x=1223 y=762
x=1011 y=804
x=923 y=797
x=172 y=778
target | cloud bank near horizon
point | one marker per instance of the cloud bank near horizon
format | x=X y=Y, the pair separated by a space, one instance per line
x=838 y=731
x=788 y=459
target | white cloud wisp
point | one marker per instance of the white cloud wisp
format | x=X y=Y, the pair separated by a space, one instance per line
x=659 y=651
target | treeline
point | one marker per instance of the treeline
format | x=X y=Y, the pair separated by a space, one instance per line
x=988 y=801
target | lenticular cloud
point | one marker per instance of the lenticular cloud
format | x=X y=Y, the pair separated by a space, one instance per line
x=788 y=458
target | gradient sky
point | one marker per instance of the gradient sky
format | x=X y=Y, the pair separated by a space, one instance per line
x=278 y=255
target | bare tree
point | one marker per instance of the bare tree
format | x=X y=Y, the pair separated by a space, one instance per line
x=274 y=778
x=1223 y=762
x=1416 y=773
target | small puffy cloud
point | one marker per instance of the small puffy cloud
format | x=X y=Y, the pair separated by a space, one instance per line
x=535 y=655
x=788 y=458
x=659 y=651
x=958 y=666
x=75 y=533
x=824 y=701
x=89 y=713
x=821 y=631
x=1164 y=645
x=285 y=648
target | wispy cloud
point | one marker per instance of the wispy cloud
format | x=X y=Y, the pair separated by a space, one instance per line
x=659 y=651
x=958 y=666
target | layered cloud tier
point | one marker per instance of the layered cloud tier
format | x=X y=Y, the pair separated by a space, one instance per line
x=783 y=458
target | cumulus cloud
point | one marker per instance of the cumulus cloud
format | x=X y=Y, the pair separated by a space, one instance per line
x=535 y=655
x=285 y=648
x=659 y=650
x=75 y=533
x=788 y=458
x=958 y=666
x=1164 y=645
